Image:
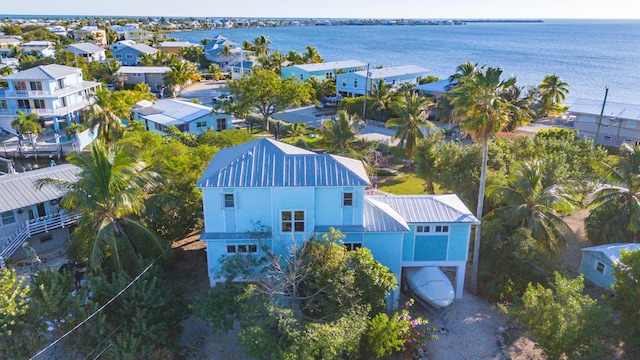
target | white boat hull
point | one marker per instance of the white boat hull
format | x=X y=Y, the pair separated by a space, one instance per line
x=431 y=285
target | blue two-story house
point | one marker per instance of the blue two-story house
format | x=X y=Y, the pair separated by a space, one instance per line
x=322 y=71
x=352 y=84
x=297 y=193
x=131 y=54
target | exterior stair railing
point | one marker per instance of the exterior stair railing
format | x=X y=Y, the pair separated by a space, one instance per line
x=34 y=227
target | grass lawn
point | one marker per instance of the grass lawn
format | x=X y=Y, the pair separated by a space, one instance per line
x=404 y=183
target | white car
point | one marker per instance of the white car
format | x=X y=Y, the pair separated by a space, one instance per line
x=222 y=98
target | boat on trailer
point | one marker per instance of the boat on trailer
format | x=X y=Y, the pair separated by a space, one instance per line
x=430 y=285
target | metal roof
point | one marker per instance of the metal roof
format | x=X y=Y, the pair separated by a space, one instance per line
x=178 y=44
x=84 y=48
x=267 y=163
x=333 y=65
x=144 y=69
x=380 y=217
x=19 y=190
x=143 y=48
x=436 y=86
x=428 y=208
x=173 y=112
x=612 y=251
x=43 y=72
x=611 y=109
x=393 y=71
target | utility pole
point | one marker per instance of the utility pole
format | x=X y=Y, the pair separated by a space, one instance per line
x=364 y=103
x=606 y=92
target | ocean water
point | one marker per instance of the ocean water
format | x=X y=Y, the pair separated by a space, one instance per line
x=590 y=55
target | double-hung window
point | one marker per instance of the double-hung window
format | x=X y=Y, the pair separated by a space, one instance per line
x=229 y=201
x=7 y=217
x=292 y=221
x=347 y=199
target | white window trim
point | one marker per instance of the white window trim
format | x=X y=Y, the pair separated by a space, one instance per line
x=293 y=221
x=224 y=200
x=15 y=219
x=237 y=252
x=604 y=267
x=353 y=199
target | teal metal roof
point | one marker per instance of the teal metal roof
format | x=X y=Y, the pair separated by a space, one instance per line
x=269 y=163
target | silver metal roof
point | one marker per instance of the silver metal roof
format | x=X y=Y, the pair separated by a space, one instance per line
x=611 y=109
x=428 y=208
x=380 y=217
x=267 y=163
x=43 y=72
x=173 y=112
x=332 y=65
x=393 y=71
x=144 y=69
x=19 y=190
x=612 y=251
x=84 y=48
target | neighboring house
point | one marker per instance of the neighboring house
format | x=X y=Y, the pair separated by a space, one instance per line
x=352 y=84
x=436 y=89
x=51 y=91
x=242 y=67
x=598 y=261
x=212 y=52
x=322 y=71
x=88 y=51
x=174 y=47
x=297 y=193
x=41 y=47
x=58 y=30
x=7 y=46
x=29 y=214
x=130 y=55
x=620 y=122
x=139 y=35
x=188 y=117
x=150 y=75
x=91 y=33
x=121 y=45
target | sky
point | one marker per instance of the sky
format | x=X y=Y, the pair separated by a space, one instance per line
x=361 y=9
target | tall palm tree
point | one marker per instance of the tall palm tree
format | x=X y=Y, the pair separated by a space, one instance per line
x=412 y=113
x=528 y=204
x=464 y=71
x=260 y=46
x=521 y=108
x=623 y=189
x=27 y=125
x=381 y=94
x=110 y=196
x=312 y=56
x=106 y=112
x=341 y=131
x=294 y=58
x=181 y=74
x=481 y=108
x=553 y=92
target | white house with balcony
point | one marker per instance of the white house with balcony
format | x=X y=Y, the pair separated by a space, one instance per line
x=88 y=51
x=620 y=123
x=53 y=91
x=32 y=214
x=353 y=83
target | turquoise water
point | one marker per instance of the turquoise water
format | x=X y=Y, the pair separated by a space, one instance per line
x=588 y=54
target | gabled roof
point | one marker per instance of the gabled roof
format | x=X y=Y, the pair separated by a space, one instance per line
x=436 y=86
x=44 y=72
x=177 y=44
x=428 y=208
x=611 y=109
x=269 y=163
x=393 y=71
x=333 y=65
x=18 y=190
x=85 y=48
x=612 y=251
x=380 y=217
x=172 y=112
x=143 y=48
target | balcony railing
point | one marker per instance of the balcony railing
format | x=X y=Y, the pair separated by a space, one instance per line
x=27 y=93
x=46 y=111
x=34 y=227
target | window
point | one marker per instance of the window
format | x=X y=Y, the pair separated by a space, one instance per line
x=61 y=84
x=23 y=104
x=3 y=104
x=20 y=85
x=229 y=201
x=39 y=104
x=355 y=83
x=599 y=267
x=606 y=137
x=352 y=246
x=347 y=199
x=201 y=124
x=344 y=82
x=7 y=217
x=35 y=85
x=118 y=56
x=292 y=221
x=129 y=56
x=301 y=77
x=423 y=228
x=221 y=124
x=242 y=249
x=442 y=228
x=137 y=75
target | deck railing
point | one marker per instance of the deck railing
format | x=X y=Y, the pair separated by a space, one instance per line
x=34 y=227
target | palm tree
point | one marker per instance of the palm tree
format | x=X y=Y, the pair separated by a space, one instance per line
x=481 y=108
x=623 y=191
x=312 y=56
x=106 y=112
x=341 y=131
x=110 y=195
x=464 y=71
x=294 y=58
x=261 y=46
x=26 y=125
x=521 y=108
x=553 y=92
x=181 y=74
x=381 y=94
x=110 y=70
x=412 y=111
x=528 y=204
x=214 y=70
x=226 y=52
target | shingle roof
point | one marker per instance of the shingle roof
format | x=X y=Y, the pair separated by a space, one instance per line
x=85 y=48
x=331 y=65
x=18 y=190
x=611 y=109
x=266 y=163
x=428 y=208
x=612 y=251
x=43 y=72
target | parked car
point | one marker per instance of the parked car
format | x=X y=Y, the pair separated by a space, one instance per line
x=222 y=98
